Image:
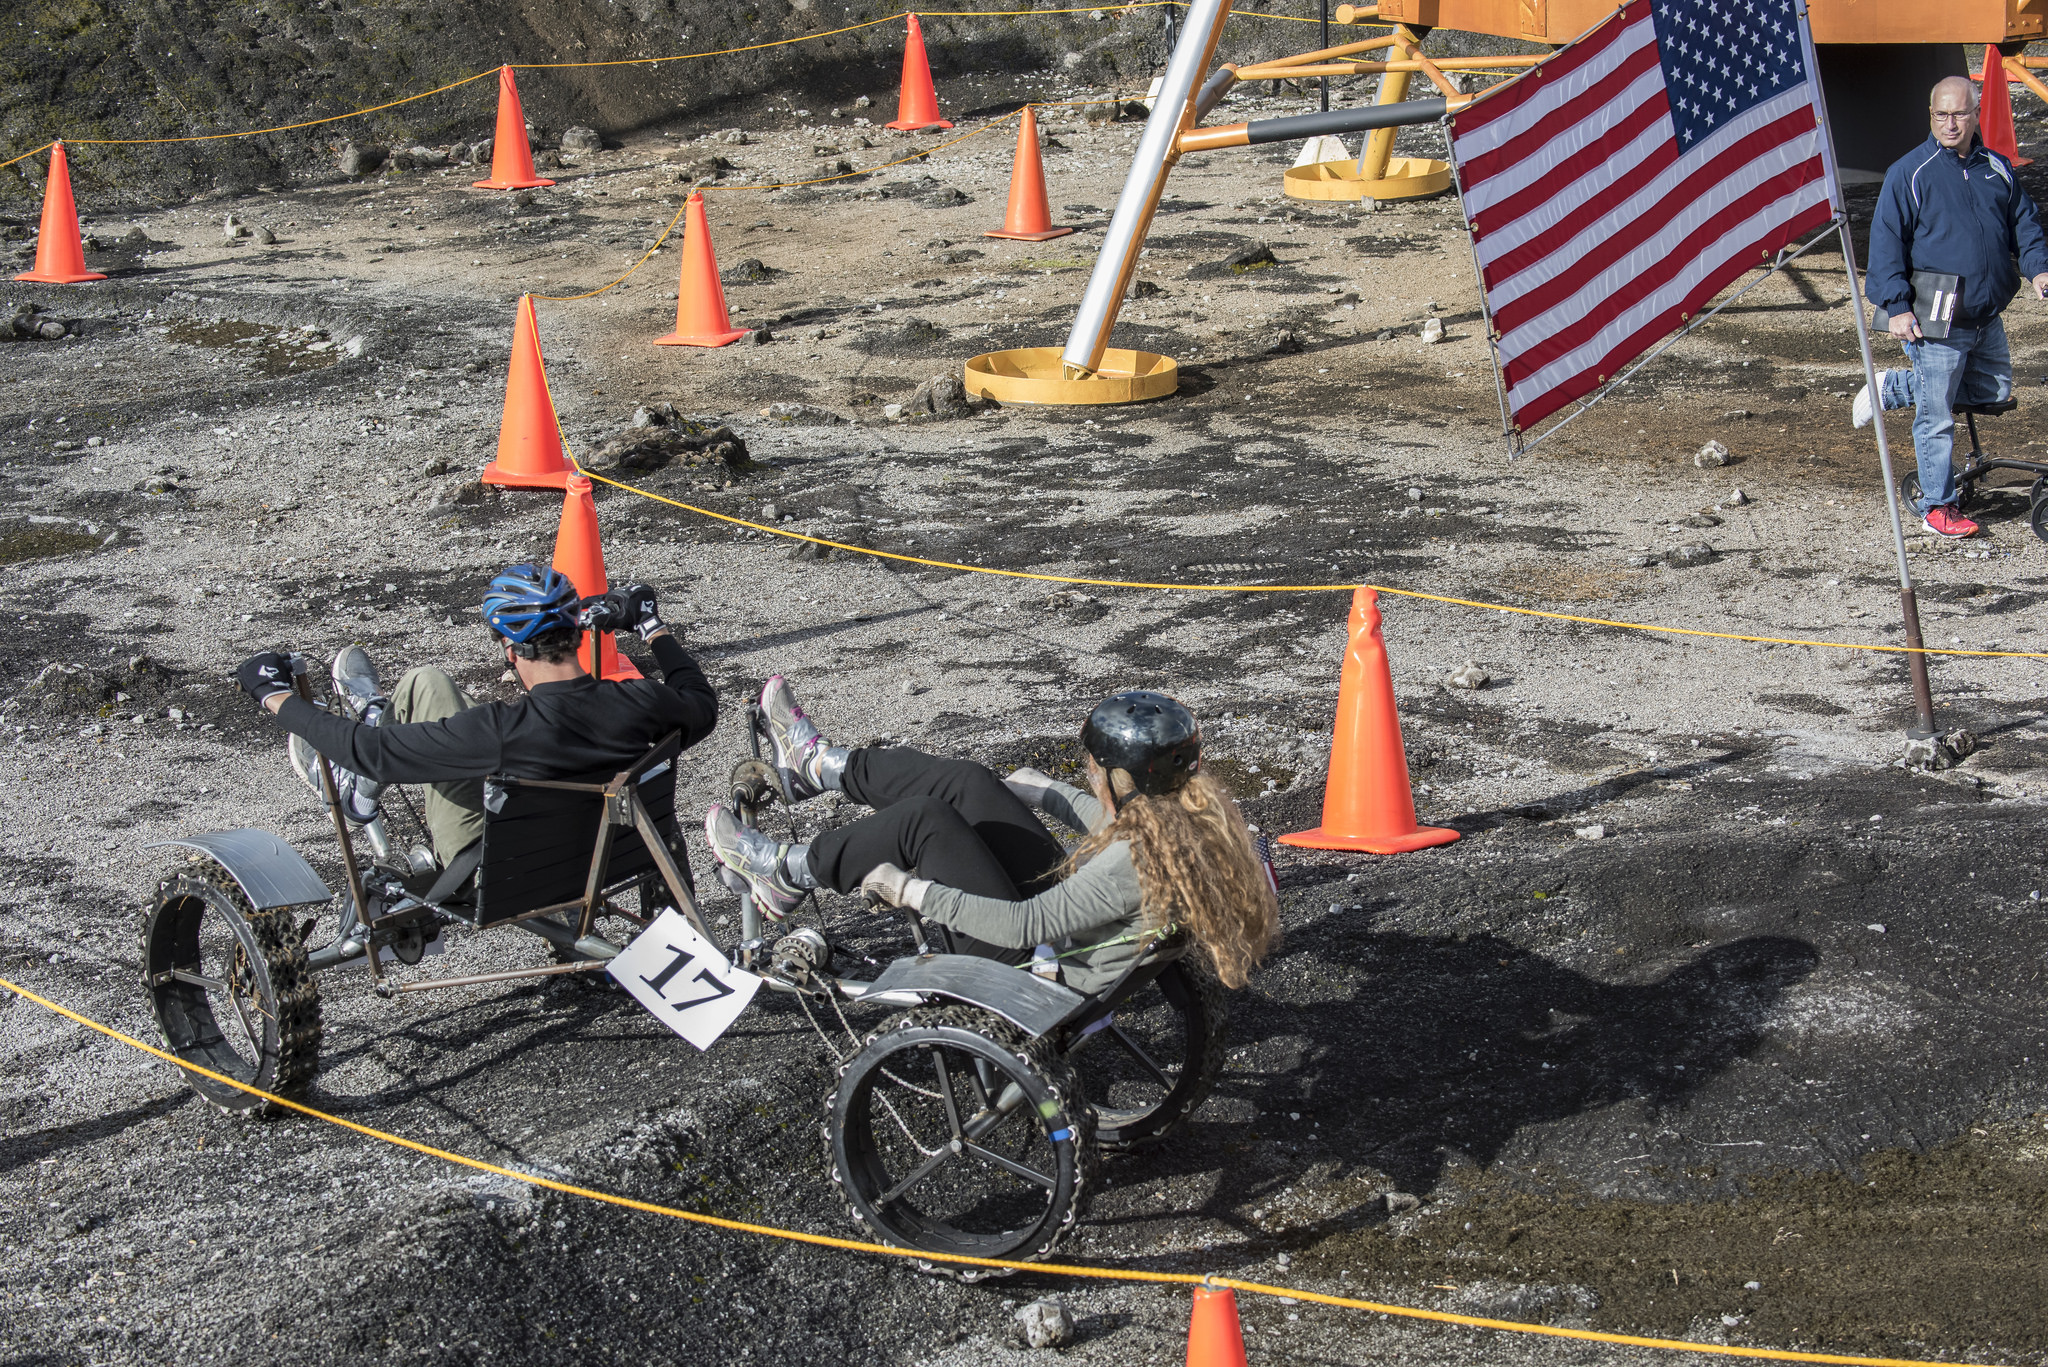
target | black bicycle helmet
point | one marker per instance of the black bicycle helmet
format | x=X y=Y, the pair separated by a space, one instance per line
x=1149 y=736
x=527 y=601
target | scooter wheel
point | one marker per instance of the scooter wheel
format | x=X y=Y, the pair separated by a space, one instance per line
x=230 y=988
x=1155 y=1062
x=951 y=1133
x=2037 y=517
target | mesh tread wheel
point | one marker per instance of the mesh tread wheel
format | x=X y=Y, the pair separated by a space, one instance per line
x=2037 y=518
x=1014 y=1181
x=230 y=988
x=1158 y=1059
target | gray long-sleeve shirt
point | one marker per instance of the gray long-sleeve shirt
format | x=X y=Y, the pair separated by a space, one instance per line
x=1099 y=903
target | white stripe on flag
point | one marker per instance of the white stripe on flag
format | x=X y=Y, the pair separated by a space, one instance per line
x=1728 y=248
x=1745 y=177
x=1557 y=91
x=1522 y=174
x=1513 y=233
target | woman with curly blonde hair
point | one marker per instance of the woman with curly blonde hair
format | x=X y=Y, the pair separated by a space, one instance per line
x=1163 y=848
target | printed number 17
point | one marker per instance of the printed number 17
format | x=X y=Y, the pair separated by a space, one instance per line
x=659 y=982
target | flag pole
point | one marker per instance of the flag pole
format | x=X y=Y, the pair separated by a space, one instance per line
x=1922 y=732
x=1500 y=388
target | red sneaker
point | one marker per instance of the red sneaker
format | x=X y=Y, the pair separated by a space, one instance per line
x=1946 y=521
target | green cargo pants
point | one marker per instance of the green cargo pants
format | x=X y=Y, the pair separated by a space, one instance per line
x=455 y=810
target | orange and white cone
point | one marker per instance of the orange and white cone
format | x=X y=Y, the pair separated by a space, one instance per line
x=511 y=153
x=60 y=252
x=530 y=452
x=917 y=103
x=1029 y=218
x=1215 y=1338
x=579 y=554
x=1367 y=803
x=1994 y=109
x=701 y=319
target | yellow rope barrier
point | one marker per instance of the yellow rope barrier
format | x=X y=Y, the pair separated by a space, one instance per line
x=1116 y=1274
x=850 y=28
x=1306 y=588
x=26 y=155
x=258 y=132
x=716 y=52
x=634 y=61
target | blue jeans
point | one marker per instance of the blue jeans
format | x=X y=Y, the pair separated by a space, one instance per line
x=1970 y=365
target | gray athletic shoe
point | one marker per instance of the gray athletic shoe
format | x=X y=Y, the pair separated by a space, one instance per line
x=356 y=684
x=807 y=764
x=754 y=857
x=1861 y=410
x=359 y=796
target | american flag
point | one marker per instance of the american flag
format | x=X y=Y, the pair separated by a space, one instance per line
x=1618 y=187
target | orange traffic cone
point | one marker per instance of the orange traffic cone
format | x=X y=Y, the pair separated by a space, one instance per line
x=1994 y=109
x=1029 y=218
x=917 y=104
x=511 y=153
x=701 y=319
x=1366 y=801
x=1215 y=1339
x=60 y=255
x=579 y=553
x=529 y=439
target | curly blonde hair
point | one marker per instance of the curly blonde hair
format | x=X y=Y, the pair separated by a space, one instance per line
x=1197 y=868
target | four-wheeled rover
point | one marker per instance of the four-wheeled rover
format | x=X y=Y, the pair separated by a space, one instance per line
x=969 y=1122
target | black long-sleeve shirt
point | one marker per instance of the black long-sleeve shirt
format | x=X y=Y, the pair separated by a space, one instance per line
x=568 y=730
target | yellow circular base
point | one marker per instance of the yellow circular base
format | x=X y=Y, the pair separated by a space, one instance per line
x=1032 y=375
x=1406 y=178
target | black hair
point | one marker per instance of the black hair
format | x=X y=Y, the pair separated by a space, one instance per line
x=553 y=647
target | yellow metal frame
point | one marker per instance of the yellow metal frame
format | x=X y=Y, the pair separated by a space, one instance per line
x=1399 y=178
x=1834 y=21
x=1034 y=375
x=1378 y=173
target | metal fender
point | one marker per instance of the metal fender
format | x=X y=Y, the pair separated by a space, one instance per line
x=1026 y=1000
x=270 y=872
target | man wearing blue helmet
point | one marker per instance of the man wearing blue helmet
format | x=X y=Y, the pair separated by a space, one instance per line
x=567 y=726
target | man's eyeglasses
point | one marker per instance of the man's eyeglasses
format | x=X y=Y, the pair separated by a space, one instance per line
x=1942 y=116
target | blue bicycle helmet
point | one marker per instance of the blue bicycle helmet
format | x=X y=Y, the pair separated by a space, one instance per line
x=526 y=601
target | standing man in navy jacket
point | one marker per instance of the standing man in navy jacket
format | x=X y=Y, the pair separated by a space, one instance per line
x=1950 y=205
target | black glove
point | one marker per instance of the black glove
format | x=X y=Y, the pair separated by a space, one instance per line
x=266 y=674
x=628 y=607
x=598 y=613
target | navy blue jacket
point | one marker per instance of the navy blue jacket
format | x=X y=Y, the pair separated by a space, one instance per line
x=1939 y=212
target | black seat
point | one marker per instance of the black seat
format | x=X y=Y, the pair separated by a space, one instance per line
x=548 y=846
x=1986 y=410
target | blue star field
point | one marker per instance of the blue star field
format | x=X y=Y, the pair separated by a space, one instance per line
x=1724 y=57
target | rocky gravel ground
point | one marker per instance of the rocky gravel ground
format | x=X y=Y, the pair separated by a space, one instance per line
x=1716 y=1023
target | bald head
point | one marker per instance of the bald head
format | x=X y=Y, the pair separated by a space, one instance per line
x=1952 y=112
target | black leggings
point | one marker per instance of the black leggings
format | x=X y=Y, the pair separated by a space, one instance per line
x=951 y=820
